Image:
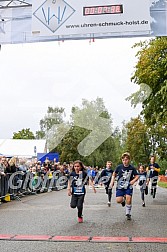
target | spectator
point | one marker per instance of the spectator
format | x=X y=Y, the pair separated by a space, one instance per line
x=165 y=173
x=2 y=165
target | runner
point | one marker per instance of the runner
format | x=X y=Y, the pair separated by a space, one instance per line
x=143 y=183
x=76 y=187
x=105 y=178
x=153 y=170
x=126 y=177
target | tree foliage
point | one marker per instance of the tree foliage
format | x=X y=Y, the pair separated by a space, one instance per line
x=138 y=141
x=151 y=76
x=151 y=72
x=53 y=117
x=158 y=138
x=91 y=116
x=23 y=134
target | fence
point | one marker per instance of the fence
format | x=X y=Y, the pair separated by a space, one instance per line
x=162 y=178
x=19 y=184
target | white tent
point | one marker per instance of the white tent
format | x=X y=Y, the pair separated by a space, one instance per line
x=22 y=147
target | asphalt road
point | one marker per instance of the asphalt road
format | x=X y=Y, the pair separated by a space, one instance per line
x=50 y=214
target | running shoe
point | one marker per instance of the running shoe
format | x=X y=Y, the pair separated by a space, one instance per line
x=109 y=203
x=123 y=203
x=143 y=205
x=80 y=219
x=128 y=217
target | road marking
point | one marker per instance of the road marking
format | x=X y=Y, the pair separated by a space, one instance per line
x=70 y=238
x=149 y=239
x=5 y=237
x=100 y=239
x=109 y=239
x=31 y=237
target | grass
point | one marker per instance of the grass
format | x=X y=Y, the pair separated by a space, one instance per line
x=162 y=184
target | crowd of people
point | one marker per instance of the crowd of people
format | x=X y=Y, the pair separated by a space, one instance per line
x=20 y=176
x=23 y=176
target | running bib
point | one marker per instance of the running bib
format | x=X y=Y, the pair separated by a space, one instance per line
x=79 y=190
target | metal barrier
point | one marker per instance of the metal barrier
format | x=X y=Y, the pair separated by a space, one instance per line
x=3 y=186
x=19 y=184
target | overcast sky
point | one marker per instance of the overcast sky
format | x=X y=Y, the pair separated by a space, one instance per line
x=35 y=76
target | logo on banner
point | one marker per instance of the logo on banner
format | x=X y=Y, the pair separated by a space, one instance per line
x=53 y=13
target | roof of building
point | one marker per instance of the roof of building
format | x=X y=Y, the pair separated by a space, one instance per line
x=22 y=147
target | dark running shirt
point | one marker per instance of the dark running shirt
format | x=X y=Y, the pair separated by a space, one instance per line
x=105 y=176
x=78 y=182
x=124 y=176
x=142 y=178
x=153 y=173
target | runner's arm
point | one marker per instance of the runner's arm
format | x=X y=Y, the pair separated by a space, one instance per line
x=157 y=169
x=69 y=188
x=112 y=180
x=134 y=180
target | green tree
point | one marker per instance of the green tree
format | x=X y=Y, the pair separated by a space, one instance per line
x=158 y=140
x=163 y=165
x=40 y=134
x=66 y=137
x=151 y=75
x=68 y=145
x=84 y=120
x=23 y=134
x=123 y=138
x=53 y=117
x=138 y=141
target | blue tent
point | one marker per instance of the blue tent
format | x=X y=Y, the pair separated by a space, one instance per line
x=42 y=156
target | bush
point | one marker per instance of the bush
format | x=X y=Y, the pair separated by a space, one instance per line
x=163 y=166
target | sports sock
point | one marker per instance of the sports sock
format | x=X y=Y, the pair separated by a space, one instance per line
x=128 y=209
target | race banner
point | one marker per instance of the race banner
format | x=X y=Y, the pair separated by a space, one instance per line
x=77 y=17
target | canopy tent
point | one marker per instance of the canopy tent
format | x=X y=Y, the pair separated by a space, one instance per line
x=22 y=147
x=51 y=156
